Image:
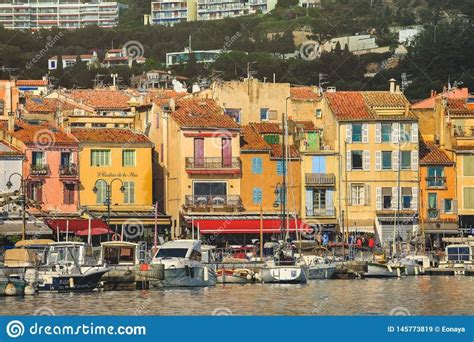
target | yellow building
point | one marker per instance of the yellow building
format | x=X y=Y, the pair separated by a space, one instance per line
x=378 y=181
x=115 y=167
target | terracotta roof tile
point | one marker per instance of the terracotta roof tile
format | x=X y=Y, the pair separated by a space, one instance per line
x=110 y=136
x=308 y=126
x=32 y=83
x=201 y=113
x=304 y=94
x=459 y=107
x=267 y=127
x=102 y=98
x=384 y=99
x=7 y=150
x=252 y=141
x=277 y=151
x=42 y=135
x=430 y=154
x=162 y=96
x=36 y=104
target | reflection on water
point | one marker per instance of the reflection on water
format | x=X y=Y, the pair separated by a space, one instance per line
x=418 y=295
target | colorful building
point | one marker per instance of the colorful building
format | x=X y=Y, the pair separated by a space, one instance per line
x=378 y=182
x=438 y=200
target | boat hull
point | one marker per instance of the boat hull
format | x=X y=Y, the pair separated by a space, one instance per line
x=88 y=281
x=321 y=272
x=284 y=274
x=187 y=277
x=235 y=277
x=380 y=271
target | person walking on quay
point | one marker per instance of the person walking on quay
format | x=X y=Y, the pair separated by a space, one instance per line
x=371 y=243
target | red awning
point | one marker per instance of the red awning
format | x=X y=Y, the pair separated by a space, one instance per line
x=75 y=225
x=232 y=226
x=94 y=232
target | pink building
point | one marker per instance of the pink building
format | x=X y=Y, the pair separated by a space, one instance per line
x=50 y=168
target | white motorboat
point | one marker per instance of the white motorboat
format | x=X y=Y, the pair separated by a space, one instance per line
x=412 y=264
x=376 y=270
x=236 y=276
x=290 y=274
x=318 y=267
x=183 y=267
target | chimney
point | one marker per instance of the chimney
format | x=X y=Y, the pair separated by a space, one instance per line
x=397 y=88
x=392 y=83
x=11 y=122
x=407 y=108
x=172 y=105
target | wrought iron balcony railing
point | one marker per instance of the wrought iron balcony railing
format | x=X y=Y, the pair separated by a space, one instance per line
x=213 y=202
x=67 y=171
x=212 y=163
x=39 y=170
x=320 y=179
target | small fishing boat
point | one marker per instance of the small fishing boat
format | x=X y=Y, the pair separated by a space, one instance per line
x=458 y=258
x=235 y=276
x=128 y=269
x=318 y=267
x=377 y=270
x=10 y=286
x=183 y=266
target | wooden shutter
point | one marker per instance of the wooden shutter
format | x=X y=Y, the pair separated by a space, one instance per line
x=395 y=199
x=366 y=195
x=349 y=133
x=395 y=160
x=366 y=160
x=309 y=202
x=395 y=132
x=39 y=192
x=414 y=132
x=257 y=196
x=379 y=198
x=365 y=133
x=199 y=152
x=414 y=200
x=226 y=152
x=378 y=133
x=455 y=206
x=348 y=161
x=378 y=160
x=414 y=160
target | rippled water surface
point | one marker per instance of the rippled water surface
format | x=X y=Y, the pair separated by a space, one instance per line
x=414 y=295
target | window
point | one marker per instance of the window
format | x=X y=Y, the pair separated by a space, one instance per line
x=356 y=160
x=448 y=206
x=233 y=113
x=387 y=198
x=38 y=159
x=273 y=115
x=280 y=167
x=386 y=132
x=407 y=198
x=468 y=166
x=436 y=177
x=358 y=194
x=129 y=193
x=405 y=132
x=210 y=189
x=100 y=158
x=53 y=64
x=66 y=159
x=99 y=125
x=35 y=192
x=264 y=114
x=319 y=113
x=69 y=193
x=357 y=132
x=101 y=194
x=257 y=166
x=272 y=139
x=406 y=160
x=128 y=158
x=257 y=196
x=468 y=198
x=432 y=201
x=386 y=160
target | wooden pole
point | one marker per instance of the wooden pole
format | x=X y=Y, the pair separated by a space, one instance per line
x=89 y=234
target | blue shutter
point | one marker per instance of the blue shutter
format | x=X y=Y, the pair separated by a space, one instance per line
x=257 y=166
x=279 y=167
x=257 y=196
x=319 y=164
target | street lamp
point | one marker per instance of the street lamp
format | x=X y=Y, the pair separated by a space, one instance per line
x=108 y=193
x=279 y=198
x=22 y=200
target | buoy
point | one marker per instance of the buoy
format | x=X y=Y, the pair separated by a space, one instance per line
x=10 y=290
x=30 y=290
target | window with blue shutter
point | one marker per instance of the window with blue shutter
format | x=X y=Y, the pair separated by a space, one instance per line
x=280 y=167
x=257 y=195
x=279 y=195
x=257 y=166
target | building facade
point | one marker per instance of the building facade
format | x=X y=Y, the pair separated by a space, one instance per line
x=65 y=14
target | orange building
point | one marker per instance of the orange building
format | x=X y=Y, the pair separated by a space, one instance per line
x=438 y=207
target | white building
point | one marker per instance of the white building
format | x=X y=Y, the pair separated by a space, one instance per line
x=202 y=56
x=353 y=43
x=309 y=3
x=170 y=12
x=70 y=60
x=67 y=14
x=11 y=161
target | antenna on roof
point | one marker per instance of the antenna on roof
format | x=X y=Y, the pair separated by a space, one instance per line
x=321 y=80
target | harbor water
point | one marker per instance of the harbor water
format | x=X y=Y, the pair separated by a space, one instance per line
x=422 y=295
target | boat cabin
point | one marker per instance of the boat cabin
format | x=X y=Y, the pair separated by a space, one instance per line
x=459 y=251
x=116 y=253
x=186 y=249
x=27 y=253
x=71 y=253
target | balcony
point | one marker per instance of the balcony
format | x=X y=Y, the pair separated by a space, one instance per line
x=433 y=214
x=320 y=179
x=213 y=165
x=40 y=170
x=321 y=212
x=436 y=182
x=68 y=171
x=212 y=203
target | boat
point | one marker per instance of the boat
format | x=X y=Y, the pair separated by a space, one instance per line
x=378 y=270
x=412 y=264
x=70 y=266
x=458 y=258
x=318 y=267
x=183 y=266
x=236 y=276
x=283 y=268
x=10 y=286
x=127 y=269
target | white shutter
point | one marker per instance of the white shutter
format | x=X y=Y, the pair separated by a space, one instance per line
x=348 y=161
x=379 y=198
x=443 y=206
x=367 y=195
x=365 y=133
x=455 y=206
x=394 y=198
x=349 y=133
x=378 y=133
x=414 y=132
x=395 y=160
x=414 y=200
x=414 y=160
x=378 y=160
x=395 y=132
x=366 y=161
